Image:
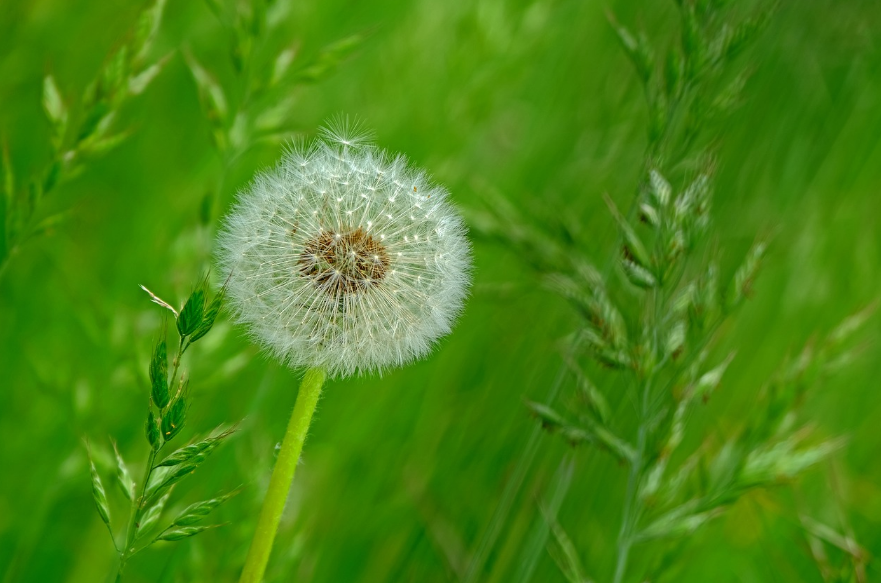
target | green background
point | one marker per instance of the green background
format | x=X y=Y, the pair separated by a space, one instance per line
x=422 y=475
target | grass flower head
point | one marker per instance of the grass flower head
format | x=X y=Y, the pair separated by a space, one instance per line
x=344 y=257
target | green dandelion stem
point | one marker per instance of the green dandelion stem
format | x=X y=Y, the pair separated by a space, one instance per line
x=282 y=476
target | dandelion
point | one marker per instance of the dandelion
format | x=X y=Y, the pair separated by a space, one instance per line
x=344 y=260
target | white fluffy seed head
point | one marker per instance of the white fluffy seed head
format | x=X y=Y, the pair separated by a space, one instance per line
x=345 y=258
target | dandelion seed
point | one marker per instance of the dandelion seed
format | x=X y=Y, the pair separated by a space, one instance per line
x=347 y=290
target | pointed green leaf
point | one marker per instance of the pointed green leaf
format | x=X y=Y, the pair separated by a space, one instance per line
x=710 y=299
x=595 y=398
x=183 y=532
x=213 y=97
x=115 y=74
x=709 y=381
x=692 y=41
x=567 y=559
x=48 y=224
x=661 y=189
x=741 y=286
x=173 y=420
x=676 y=339
x=53 y=104
x=638 y=275
x=549 y=418
x=196 y=512
x=614 y=444
x=97 y=116
x=693 y=202
x=191 y=315
x=282 y=64
x=123 y=476
x=154 y=437
x=728 y=98
x=649 y=214
x=591 y=432
x=588 y=391
x=100 y=144
x=845 y=542
x=850 y=325
x=734 y=39
x=634 y=249
x=159 y=375
x=677 y=523
x=147 y=27
x=150 y=516
x=209 y=317
x=137 y=84
x=188 y=452
x=99 y=495
x=184 y=462
x=784 y=460
x=637 y=49
x=328 y=59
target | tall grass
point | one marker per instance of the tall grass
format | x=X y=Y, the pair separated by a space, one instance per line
x=437 y=472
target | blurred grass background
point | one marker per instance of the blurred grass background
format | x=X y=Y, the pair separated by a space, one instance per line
x=434 y=472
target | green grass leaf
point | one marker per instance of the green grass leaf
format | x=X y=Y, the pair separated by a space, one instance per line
x=147 y=28
x=151 y=429
x=174 y=418
x=159 y=376
x=189 y=452
x=123 y=477
x=742 y=284
x=99 y=496
x=53 y=104
x=209 y=316
x=191 y=315
x=151 y=515
x=328 y=59
x=196 y=512
x=213 y=97
x=183 y=532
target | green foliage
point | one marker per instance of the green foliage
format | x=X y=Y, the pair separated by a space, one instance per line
x=166 y=418
x=151 y=429
x=151 y=514
x=676 y=313
x=74 y=141
x=209 y=316
x=196 y=512
x=202 y=448
x=258 y=106
x=437 y=472
x=100 y=496
x=174 y=418
x=159 y=375
x=191 y=314
x=123 y=477
x=180 y=533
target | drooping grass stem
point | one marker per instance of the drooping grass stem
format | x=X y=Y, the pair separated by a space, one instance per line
x=282 y=476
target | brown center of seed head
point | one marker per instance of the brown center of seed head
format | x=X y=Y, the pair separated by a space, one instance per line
x=341 y=262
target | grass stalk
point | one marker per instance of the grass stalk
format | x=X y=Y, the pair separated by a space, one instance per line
x=138 y=501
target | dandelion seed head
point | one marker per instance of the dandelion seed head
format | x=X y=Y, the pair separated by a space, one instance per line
x=345 y=258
